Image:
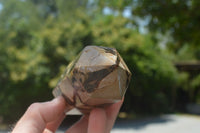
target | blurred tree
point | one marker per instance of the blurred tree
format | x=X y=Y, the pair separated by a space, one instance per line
x=46 y=8
x=180 y=18
x=37 y=43
x=14 y=12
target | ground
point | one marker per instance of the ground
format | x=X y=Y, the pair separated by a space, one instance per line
x=165 y=124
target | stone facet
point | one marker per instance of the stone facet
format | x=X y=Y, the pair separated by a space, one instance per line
x=96 y=78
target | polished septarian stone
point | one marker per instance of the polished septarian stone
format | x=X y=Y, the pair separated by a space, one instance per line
x=96 y=78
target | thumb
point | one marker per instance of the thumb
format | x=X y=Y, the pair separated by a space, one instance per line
x=38 y=115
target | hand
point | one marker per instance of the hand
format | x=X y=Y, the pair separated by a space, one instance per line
x=46 y=118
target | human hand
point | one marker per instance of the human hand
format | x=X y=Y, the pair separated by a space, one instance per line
x=46 y=118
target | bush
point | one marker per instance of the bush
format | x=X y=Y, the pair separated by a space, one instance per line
x=34 y=58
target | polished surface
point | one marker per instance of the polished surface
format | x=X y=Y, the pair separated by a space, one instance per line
x=97 y=77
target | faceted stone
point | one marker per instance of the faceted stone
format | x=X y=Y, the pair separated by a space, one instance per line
x=96 y=78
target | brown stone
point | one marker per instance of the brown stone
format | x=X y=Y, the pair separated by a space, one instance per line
x=96 y=78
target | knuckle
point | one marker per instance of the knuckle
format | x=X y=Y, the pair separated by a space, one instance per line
x=34 y=107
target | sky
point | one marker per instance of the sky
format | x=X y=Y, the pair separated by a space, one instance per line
x=1 y=6
x=128 y=14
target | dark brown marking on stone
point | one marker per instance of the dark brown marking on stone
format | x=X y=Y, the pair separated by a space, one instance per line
x=82 y=100
x=94 y=78
x=108 y=50
x=75 y=71
x=73 y=80
x=117 y=60
x=80 y=79
x=74 y=96
x=68 y=100
x=76 y=79
x=81 y=76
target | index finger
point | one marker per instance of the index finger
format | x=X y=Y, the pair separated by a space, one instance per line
x=111 y=113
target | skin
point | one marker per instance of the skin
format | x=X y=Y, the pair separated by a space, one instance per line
x=46 y=118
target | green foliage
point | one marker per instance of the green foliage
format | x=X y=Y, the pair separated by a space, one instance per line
x=180 y=17
x=154 y=78
x=35 y=49
x=113 y=4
